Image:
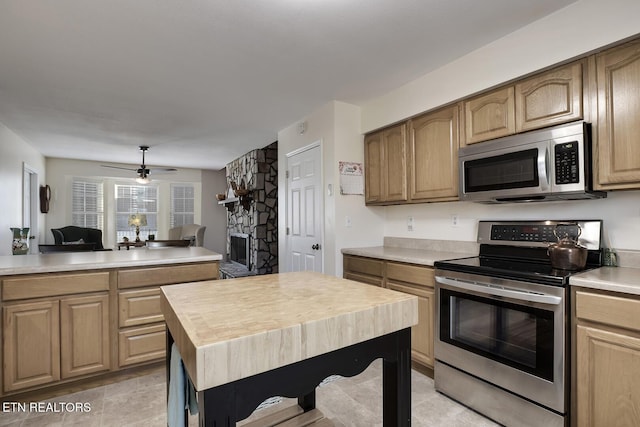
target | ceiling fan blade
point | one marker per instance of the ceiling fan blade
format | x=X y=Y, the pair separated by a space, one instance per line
x=160 y=170
x=117 y=167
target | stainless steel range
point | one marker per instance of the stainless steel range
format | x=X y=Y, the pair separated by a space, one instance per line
x=502 y=335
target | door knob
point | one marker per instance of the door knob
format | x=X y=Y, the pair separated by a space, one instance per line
x=315 y=247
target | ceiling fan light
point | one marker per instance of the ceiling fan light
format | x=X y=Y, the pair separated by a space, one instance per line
x=143 y=180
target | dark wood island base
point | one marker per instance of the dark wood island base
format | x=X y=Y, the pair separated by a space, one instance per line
x=224 y=405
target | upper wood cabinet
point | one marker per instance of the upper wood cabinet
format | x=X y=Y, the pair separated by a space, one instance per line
x=433 y=155
x=549 y=98
x=546 y=99
x=618 y=134
x=489 y=116
x=386 y=165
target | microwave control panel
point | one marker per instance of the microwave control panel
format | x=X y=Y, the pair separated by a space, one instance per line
x=566 y=157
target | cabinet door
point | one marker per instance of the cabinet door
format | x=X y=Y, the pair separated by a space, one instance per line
x=394 y=171
x=84 y=335
x=549 y=98
x=433 y=155
x=373 y=167
x=422 y=333
x=31 y=344
x=489 y=116
x=618 y=76
x=608 y=390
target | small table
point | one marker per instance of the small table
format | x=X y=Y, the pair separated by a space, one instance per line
x=130 y=244
x=244 y=340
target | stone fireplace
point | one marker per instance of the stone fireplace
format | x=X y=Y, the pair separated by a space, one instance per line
x=257 y=171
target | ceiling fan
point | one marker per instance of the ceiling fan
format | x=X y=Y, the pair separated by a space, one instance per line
x=143 y=171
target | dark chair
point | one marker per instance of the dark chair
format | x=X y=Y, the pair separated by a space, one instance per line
x=167 y=243
x=71 y=233
x=77 y=247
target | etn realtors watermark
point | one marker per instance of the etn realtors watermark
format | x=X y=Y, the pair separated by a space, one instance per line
x=44 y=407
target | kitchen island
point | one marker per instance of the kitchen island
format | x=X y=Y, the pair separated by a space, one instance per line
x=70 y=318
x=248 y=339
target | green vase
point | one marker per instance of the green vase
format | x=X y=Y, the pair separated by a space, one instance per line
x=20 y=244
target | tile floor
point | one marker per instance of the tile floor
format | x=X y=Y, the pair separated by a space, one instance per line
x=353 y=402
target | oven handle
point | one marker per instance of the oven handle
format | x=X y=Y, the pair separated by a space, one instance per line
x=485 y=288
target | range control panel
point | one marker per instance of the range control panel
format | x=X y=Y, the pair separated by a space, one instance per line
x=540 y=233
x=523 y=233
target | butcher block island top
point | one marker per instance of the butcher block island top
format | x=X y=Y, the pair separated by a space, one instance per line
x=77 y=261
x=231 y=329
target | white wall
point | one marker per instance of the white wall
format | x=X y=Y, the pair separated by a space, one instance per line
x=579 y=28
x=14 y=152
x=337 y=125
x=60 y=173
x=575 y=30
x=214 y=216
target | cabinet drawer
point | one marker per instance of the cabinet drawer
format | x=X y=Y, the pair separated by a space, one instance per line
x=363 y=278
x=608 y=309
x=54 y=284
x=137 y=277
x=419 y=275
x=142 y=345
x=371 y=267
x=139 y=307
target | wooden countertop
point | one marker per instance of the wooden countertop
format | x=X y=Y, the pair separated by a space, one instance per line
x=231 y=329
x=76 y=261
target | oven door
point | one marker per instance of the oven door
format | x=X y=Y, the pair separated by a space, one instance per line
x=508 y=333
x=507 y=173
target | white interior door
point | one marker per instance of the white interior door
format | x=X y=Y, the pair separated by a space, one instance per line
x=30 y=205
x=304 y=205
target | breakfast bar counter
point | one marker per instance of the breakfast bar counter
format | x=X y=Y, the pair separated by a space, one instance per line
x=244 y=340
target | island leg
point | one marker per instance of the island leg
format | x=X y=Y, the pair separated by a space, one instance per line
x=396 y=383
x=217 y=406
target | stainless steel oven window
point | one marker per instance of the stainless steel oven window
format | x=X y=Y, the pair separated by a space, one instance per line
x=516 y=335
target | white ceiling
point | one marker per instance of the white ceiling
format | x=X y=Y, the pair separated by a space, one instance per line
x=205 y=81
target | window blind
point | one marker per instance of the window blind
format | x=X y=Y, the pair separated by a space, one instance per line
x=182 y=205
x=87 y=204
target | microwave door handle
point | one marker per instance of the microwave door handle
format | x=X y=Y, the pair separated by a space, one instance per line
x=543 y=168
x=485 y=288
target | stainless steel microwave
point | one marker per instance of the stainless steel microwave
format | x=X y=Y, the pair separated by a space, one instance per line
x=548 y=164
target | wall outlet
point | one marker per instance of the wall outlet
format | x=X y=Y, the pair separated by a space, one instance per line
x=454 y=220
x=410 y=223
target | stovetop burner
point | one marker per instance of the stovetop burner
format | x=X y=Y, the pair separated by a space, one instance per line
x=517 y=250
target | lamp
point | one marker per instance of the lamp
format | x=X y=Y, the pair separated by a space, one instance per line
x=137 y=220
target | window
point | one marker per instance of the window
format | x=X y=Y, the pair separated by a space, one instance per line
x=182 y=204
x=136 y=199
x=87 y=208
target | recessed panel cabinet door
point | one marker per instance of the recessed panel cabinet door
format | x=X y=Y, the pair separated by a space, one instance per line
x=31 y=343
x=84 y=335
x=394 y=177
x=489 y=116
x=433 y=154
x=549 y=98
x=618 y=75
x=373 y=167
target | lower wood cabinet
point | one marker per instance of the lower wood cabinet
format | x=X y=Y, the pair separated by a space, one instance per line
x=84 y=335
x=31 y=338
x=607 y=348
x=64 y=327
x=412 y=279
x=143 y=344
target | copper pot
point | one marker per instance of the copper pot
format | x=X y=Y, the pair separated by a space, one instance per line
x=567 y=254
